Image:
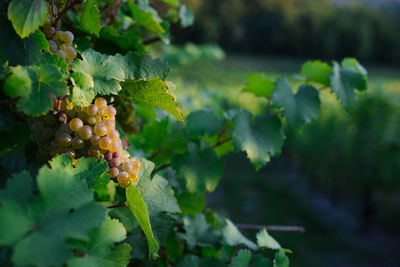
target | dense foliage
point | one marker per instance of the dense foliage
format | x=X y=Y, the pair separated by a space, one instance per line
x=73 y=195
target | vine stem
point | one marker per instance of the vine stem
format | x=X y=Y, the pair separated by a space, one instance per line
x=273 y=228
x=118 y=205
x=67 y=7
x=221 y=142
x=162 y=167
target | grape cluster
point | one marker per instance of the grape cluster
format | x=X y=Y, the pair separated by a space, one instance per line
x=86 y=132
x=127 y=116
x=60 y=42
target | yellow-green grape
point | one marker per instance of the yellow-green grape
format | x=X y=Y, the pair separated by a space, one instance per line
x=75 y=124
x=52 y=46
x=105 y=143
x=49 y=30
x=67 y=37
x=136 y=164
x=100 y=102
x=78 y=109
x=92 y=110
x=101 y=112
x=77 y=143
x=133 y=177
x=60 y=54
x=64 y=140
x=116 y=146
x=70 y=52
x=113 y=172
x=100 y=129
x=62 y=47
x=69 y=106
x=94 y=153
x=91 y=120
x=95 y=139
x=113 y=134
x=127 y=166
x=110 y=124
x=123 y=179
x=98 y=119
x=110 y=111
x=85 y=132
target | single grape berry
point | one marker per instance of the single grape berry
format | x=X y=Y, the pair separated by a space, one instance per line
x=77 y=143
x=100 y=129
x=64 y=140
x=67 y=37
x=94 y=153
x=110 y=124
x=70 y=52
x=95 y=139
x=91 y=120
x=52 y=46
x=92 y=110
x=136 y=165
x=110 y=111
x=100 y=102
x=113 y=134
x=105 y=143
x=61 y=54
x=75 y=124
x=123 y=179
x=115 y=162
x=85 y=132
x=113 y=172
x=108 y=156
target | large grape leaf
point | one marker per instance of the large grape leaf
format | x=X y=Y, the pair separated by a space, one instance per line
x=199 y=170
x=316 y=71
x=38 y=226
x=204 y=121
x=233 y=237
x=259 y=85
x=159 y=200
x=34 y=85
x=100 y=250
x=101 y=70
x=345 y=80
x=154 y=92
x=260 y=137
x=146 y=19
x=34 y=46
x=90 y=18
x=242 y=259
x=82 y=95
x=135 y=66
x=191 y=203
x=299 y=108
x=27 y=15
x=198 y=232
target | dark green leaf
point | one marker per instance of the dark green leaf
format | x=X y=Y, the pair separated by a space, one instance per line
x=204 y=121
x=242 y=259
x=146 y=19
x=198 y=232
x=299 y=108
x=281 y=260
x=191 y=203
x=91 y=18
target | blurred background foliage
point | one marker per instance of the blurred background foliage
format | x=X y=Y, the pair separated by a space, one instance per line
x=339 y=176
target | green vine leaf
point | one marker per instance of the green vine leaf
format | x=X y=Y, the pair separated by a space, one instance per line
x=139 y=209
x=345 y=80
x=27 y=15
x=281 y=260
x=38 y=226
x=298 y=108
x=264 y=240
x=100 y=250
x=259 y=85
x=81 y=93
x=146 y=19
x=199 y=170
x=101 y=70
x=198 y=126
x=154 y=92
x=34 y=45
x=260 y=137
x=233 y=237
x=90 y=18
x=242 y=259
x=34 y=85
x=316 y=71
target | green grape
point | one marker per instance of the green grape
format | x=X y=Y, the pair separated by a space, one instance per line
x=92 y=110
x=110 y=111
x=48 y=30
x=86 y=132
x=67 y=37
x=91 y=120
x=136 y=166
x=64 y=140
x=101 y=112
x=60 y=54
x=127 y=166
x=37 y=126
x=52 y=46
x=100 y=129
x=95 y=139
x=123 y=179
x=116 y=146
x=94 y=153
x=105 y=143
x=77 y=143
x=70 y=52
x=113 y=134
x=110 y=124
x=113 y=172
x=100 y=102
x=75 y=124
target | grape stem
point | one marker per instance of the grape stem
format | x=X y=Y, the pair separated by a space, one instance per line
x=67 y=7
x=113 y=11
x=162 y=167
x=118 y=205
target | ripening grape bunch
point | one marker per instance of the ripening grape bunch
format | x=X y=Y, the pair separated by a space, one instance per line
x=85 y=132
x=60 y=42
